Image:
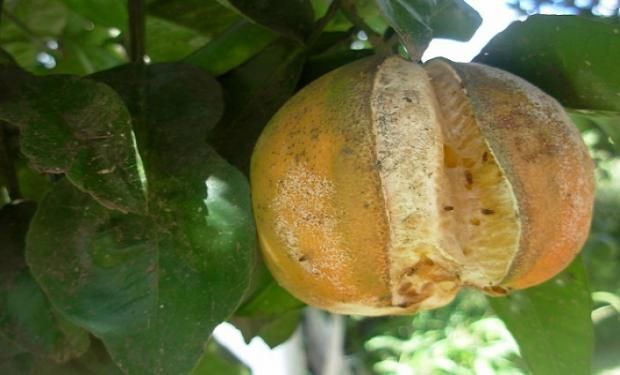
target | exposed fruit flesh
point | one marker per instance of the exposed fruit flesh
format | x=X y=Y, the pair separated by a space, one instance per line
x=480 y=208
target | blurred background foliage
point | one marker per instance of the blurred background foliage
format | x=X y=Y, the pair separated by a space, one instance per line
x=85 y=36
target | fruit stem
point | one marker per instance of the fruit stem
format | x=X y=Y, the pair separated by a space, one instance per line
x=137 y=30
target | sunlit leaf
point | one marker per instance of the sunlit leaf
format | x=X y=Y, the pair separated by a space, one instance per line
x=231 y=48
x=552 y=323
x=217 y=360
x=607 y=121
x=79 y=127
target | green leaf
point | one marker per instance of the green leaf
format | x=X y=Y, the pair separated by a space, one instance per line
x=274 y=330
x=574 y=59
x=96 y=361
x=27 y=320
x=607 y=121
x=207 y=17
x=231 y=48
x=79 y=127
x=551 y=323
x=411 y=20
x=291 y=18
x=271 y=300
x=168 y=41
x=418 y=21
x=217 y=360
x=108 y=13
x=41 y=17
x=269 y=311
x=454 y=19
x=153 y=286
x=254 y=92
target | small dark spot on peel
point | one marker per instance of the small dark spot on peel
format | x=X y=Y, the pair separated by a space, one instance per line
x=487 y=211
x=410 y=271
x=469 y=179
x=408 y=100
x=303 y=258
x=404 y=287
x=485 y=156
x=347 y=150
x=448 y=208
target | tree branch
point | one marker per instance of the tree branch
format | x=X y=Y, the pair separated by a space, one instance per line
x=137 y=30
x=6 y=165
x=320 y=25
x=1 y=9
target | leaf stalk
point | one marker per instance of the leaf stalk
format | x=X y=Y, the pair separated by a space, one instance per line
x=137 y=31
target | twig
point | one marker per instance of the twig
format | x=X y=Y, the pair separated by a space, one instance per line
x=137 y=30
x=6 y=165
x=349 y=10
x=1 y=9
x=320 y=25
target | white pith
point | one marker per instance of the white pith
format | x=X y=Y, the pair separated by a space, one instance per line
x=410 y=129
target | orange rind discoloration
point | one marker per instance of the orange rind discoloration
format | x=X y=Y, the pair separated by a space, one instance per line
x=385 y=186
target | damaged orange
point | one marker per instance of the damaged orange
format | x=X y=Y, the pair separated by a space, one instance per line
x=385 y=186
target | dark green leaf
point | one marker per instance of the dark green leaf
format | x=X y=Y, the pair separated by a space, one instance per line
x=27 y=320
x=231 y=48
x=254 y=92
x=271 y=300
x=291 y=18
x=274 y=330
x=168 y=41
x=217 y=360
x=108 y=13
x=411 y=20
x=418 y=21
x=6 y=59
x=574 y=59
x=205 y=16
x=95 y=361
x=269 y=311
x=32 y=184
x=78 y=127
x=606 y=121
x=551 y=323
x=454 y=19
x=153 y=286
